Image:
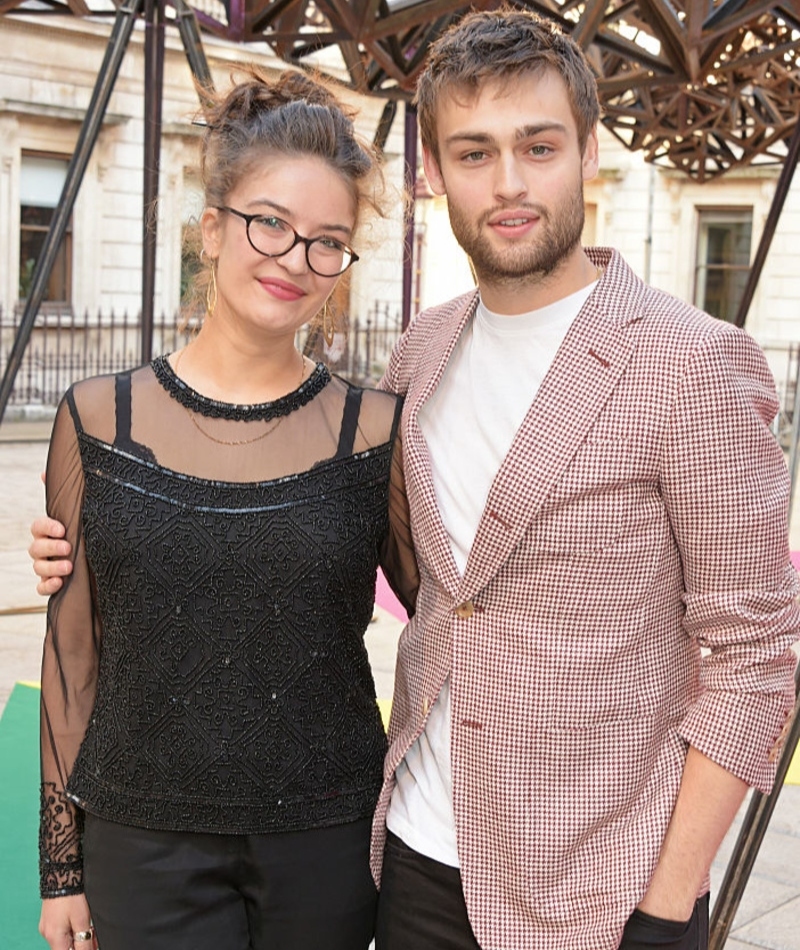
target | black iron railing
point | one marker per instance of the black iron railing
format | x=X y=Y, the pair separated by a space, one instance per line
x=65 y=347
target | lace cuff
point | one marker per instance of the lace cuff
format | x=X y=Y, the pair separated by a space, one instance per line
x=60 y=856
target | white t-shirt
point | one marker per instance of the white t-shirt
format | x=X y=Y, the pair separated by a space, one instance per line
x=469 y=424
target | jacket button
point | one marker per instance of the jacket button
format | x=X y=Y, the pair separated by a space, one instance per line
x=465 y=610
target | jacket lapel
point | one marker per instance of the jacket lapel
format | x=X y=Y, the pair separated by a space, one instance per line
x=584 y=373
x=430 y=535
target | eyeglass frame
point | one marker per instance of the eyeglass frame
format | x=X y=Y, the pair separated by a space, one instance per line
x=298 y=239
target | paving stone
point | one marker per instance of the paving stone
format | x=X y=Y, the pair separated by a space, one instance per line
x=777 y=930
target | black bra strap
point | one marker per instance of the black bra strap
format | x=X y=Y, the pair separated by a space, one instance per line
x=347 y=435
x=122 y=392
x=123 y=439
x=73 y=411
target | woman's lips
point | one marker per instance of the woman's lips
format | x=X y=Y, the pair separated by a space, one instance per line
x=281 y=289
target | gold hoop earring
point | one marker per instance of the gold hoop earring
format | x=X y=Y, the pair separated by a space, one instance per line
x=211 y=290
x=328 y=326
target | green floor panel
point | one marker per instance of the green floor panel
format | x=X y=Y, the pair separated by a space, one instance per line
x=19 y=820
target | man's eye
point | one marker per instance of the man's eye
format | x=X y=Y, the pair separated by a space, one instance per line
x=474 y=156
x=540 y=149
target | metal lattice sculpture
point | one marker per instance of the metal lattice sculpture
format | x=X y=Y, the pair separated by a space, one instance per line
x=702 y=86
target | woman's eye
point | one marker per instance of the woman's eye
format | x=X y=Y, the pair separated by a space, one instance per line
x=330 y=244
x=271 y=222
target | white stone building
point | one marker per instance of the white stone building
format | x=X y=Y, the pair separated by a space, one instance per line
x=696 y=241
x=48 y=68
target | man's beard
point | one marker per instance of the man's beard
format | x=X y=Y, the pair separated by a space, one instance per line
x=557 y=235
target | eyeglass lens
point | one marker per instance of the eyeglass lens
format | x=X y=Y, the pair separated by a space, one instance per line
x=274 y=236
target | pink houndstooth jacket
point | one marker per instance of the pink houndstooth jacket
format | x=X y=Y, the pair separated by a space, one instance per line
x=640 y=515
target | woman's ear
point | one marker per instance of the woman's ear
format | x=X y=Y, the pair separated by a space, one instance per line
x=211 y=231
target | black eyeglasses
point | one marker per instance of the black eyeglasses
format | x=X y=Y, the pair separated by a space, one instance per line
x=274 y=237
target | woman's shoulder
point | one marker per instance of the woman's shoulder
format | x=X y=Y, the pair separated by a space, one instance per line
x=105 y=383
x=381 y=400
x=368 y=394
x=94 y=399
x=376 y=400
x=378 y=411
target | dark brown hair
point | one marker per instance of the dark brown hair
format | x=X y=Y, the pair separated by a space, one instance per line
x=293 y=114
x=499 y=45
x=289 y=115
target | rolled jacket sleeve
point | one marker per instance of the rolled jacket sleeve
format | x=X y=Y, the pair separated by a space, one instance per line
x=726 y=490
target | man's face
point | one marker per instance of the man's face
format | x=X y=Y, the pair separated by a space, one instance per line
x=513 y=172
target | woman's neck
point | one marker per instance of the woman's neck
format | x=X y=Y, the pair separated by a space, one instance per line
x=245 y=374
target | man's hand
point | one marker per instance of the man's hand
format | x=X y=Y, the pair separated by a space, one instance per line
x=50 y=553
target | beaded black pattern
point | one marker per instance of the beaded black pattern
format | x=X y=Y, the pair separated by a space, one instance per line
x=60 y=857
x=191 y=399
x=249 y=712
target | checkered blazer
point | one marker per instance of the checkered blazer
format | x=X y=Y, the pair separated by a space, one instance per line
x=639 y=515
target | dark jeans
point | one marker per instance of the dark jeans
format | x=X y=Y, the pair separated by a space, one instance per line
x=421 y=907
x=165 y=890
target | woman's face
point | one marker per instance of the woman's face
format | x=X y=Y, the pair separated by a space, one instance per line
x=268 y=297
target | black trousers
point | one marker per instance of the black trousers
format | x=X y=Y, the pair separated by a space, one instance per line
x=643 y=931
x=422 y=907
x=165 y=890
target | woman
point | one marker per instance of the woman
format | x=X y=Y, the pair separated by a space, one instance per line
x=211 y=745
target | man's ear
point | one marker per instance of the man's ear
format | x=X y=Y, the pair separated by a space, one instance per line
x=210 y=230
x=432 y=172
x=591 y=156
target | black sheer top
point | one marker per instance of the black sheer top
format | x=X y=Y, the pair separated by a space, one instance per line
x=204 y=666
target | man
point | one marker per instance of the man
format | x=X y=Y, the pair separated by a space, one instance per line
x=595 y=494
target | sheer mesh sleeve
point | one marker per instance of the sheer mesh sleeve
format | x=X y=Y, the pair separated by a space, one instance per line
x=380 y=417
x=397 y=556
x=69 y=671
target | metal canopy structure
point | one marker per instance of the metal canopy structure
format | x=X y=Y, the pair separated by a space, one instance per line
x=698 y=86
x=702 y=86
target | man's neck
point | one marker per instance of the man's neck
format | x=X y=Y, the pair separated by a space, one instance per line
x=536 y=290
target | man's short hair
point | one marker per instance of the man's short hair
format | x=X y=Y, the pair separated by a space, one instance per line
x=499 y=45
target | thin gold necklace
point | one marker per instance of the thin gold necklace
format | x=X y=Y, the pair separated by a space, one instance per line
x=256 y=438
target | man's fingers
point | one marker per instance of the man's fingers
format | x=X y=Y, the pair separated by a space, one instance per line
x=44 y=568
x=50 y=586
x=44 y=527
x=43 y=549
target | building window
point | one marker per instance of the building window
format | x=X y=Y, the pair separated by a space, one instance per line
x=41 y=182
x=723 y=260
